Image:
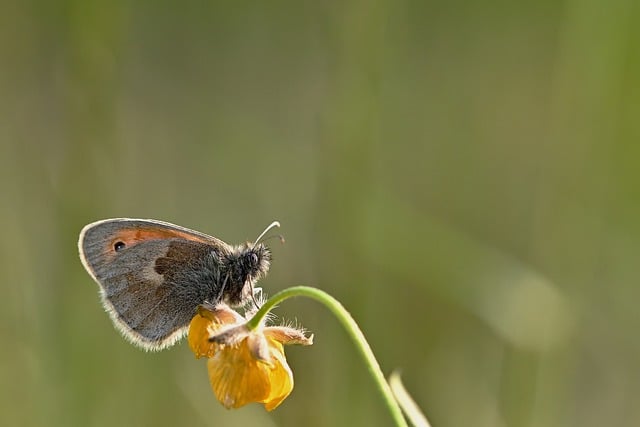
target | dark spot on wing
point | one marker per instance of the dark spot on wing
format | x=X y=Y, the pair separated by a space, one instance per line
x=183 y=257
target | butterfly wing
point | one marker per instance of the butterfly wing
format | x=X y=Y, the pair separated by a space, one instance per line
x=152 y=275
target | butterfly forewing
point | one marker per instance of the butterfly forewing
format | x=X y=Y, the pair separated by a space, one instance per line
x=152 y=275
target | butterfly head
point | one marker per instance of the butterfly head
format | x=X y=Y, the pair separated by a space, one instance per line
x=246 y=265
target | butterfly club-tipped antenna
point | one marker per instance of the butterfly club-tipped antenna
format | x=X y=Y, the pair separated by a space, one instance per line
x=266 y=230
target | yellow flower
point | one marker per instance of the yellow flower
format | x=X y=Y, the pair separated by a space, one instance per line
x=244 y=365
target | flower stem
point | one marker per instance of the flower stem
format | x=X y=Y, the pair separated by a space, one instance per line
x=352 y=329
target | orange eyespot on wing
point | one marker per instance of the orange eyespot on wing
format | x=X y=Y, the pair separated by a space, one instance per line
x=125 y=238
x=102 y=242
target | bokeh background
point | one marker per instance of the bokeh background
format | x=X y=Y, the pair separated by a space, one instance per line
x=462 y=175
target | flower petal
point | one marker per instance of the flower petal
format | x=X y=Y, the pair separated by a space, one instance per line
x=207 y=320
x=238 y=378
x=204 y=324
x=280 y=378
x=199 y=337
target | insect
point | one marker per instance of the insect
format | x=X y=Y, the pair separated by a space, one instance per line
x=153 y=275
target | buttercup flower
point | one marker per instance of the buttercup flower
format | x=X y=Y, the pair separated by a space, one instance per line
x=244 y=365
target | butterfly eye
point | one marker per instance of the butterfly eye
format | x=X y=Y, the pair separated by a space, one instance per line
x=118 y=246
x=254 y=259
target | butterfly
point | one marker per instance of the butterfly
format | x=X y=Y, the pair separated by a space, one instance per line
x=153 y=275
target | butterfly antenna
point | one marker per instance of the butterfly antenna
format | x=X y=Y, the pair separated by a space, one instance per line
x=266 y=230
x=274 y=236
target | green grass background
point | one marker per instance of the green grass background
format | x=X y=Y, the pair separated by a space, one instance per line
x=463 y=176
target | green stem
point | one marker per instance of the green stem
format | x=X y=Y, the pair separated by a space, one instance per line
x=352 y=329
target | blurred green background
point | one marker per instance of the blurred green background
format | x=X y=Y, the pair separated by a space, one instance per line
x=462 y=175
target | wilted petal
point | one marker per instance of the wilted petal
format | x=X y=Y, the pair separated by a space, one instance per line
x=229 y=334
x=259 y=348
x=288 y=335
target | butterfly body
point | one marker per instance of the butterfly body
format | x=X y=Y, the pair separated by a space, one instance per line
x=153 y=275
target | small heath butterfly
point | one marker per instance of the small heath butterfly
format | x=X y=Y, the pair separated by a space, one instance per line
x=153 y=275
